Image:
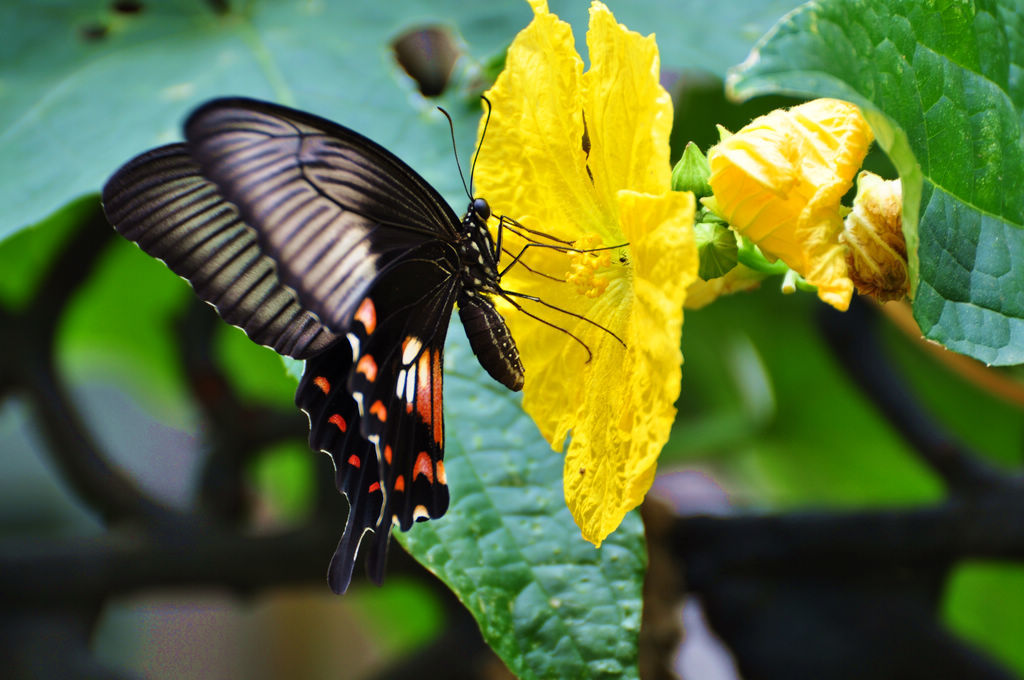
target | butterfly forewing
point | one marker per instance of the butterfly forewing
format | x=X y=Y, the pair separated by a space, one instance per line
x=334 y=208
x=162 y=202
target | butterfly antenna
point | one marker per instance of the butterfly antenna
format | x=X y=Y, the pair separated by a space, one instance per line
x=487 y=121
x=455 y=150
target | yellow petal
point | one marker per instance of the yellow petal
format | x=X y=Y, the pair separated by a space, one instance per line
x=533 y=147
x=628 y=112
x=628 y=396
x=780 y=179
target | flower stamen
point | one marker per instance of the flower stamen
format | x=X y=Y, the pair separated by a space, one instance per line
x=586 y=265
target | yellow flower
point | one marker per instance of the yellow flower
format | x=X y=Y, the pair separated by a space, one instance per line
x=779 y=180
x=876 y=250
x=585 y=157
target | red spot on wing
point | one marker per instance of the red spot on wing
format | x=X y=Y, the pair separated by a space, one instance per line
x=354 y=461
x=338 y=421
x=387 y=454
x=379 y=410
x=367 y=315
x=373 y=487
x=322 y=383
x=368 y=367
x=442 y=476
x=400 y=483
x=424 y=466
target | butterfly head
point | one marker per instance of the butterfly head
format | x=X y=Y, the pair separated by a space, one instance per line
x=482 y=208
x=477 y=250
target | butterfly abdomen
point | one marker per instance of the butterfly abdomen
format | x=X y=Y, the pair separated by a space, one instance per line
x=491 y=341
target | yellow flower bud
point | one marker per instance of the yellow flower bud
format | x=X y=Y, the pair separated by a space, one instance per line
x=876 y=250
x=780 y=179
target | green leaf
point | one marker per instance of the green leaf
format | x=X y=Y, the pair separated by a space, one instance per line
x=940 y=83
x=548 y=602
x=83 y=87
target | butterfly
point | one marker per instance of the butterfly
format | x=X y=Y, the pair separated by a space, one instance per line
x=324 y=246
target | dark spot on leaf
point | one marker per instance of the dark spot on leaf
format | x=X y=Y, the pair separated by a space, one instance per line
x=127 y=6
x=92 y=32
x=428 y=54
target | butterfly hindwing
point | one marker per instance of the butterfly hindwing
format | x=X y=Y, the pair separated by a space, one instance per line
x=397 y=379
x=377 y=397
x=335 y=430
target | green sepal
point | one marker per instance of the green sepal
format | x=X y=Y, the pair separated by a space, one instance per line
x=692 y=172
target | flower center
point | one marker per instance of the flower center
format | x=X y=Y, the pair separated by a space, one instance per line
x=586 y=268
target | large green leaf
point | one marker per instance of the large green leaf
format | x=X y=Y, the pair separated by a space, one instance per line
x=548 y=602
x=84 y=87
x=940 y=83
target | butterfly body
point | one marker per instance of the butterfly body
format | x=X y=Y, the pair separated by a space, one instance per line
x=324 y=246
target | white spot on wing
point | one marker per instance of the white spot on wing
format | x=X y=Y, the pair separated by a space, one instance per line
x=400 y=384
x=410 y=385
x=354 y=341
x=412 y=350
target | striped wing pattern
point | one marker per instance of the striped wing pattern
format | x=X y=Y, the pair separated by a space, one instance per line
x=160 y=201
x=334 y=208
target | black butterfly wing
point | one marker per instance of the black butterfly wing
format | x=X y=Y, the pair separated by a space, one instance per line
x=376 y=398
x=333 y=208
x=162 y=202
x=334 y=426
x=397 y=383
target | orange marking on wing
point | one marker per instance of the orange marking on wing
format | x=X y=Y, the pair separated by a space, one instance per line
x=400 y=483
x=423 y=466
x=442 y=477
x=367 y=315
x=387 y=454
x=368 y=367
x=338 y=421
x=354 y=461
x=322 y=383
x=423 y=405
x=438 y=412
x=378 y=410
x=373 y=487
